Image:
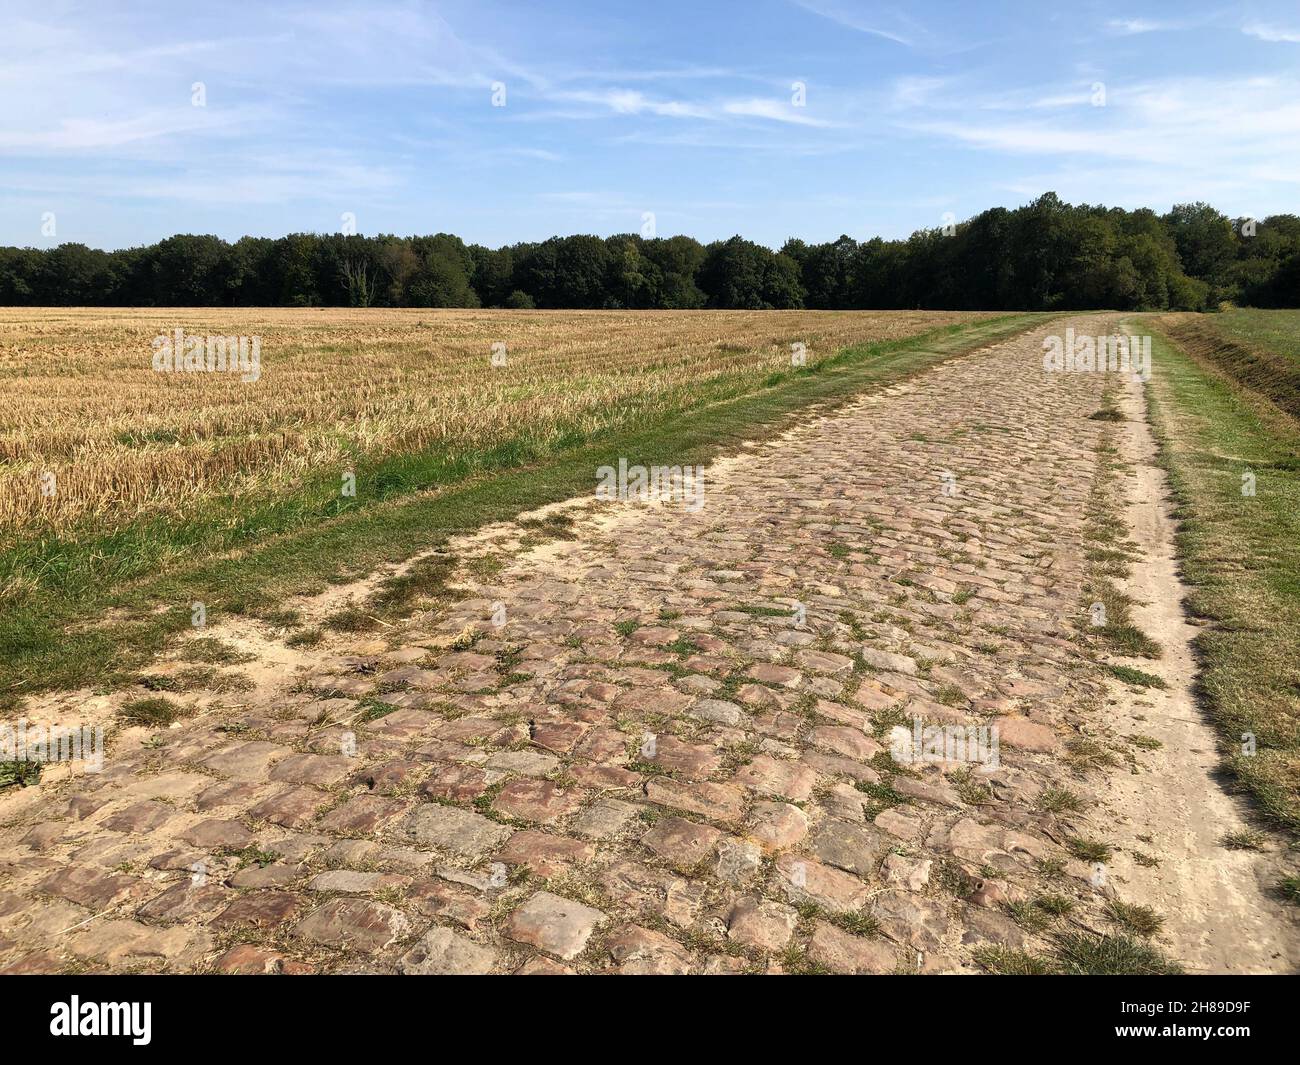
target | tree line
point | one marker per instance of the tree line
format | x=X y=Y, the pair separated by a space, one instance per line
x=1047 y=255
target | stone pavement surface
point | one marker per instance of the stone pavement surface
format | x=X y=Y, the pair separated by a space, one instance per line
x=672 y=757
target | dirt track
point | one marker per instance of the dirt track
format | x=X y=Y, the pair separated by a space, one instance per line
x=1220 y=913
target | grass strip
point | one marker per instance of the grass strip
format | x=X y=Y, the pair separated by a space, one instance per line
x=1240 y=556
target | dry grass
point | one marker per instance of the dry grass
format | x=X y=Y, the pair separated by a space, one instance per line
x=83 y=402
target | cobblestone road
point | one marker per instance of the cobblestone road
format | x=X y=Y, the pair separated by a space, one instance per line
x=672 y=757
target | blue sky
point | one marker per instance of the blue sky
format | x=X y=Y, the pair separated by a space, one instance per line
x=614 y=110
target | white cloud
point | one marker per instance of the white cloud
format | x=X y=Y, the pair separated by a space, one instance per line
x=844 y=14
x=1275 y=34
x=1130 y=26
x=914 y=91
x=95 y=134
x=773 y=110
x=633 y=102
x=1239 y=137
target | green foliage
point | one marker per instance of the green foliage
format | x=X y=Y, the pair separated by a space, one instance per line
x=20 y=773
x=1047 y=255
x=1137 y=677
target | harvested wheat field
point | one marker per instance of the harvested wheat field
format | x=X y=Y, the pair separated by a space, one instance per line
x=83 y=401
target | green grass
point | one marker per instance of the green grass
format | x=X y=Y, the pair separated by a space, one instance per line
x=1273 y=330
x=211 y=651
x=1083 y=752
x=1105 y=528
x=1056 y=905
x=1086 y=955
x=1080 y=954
x=1059 y=800
x=553 y=527
x=1258 y=348
x=1137 y=677
x=1004 y=961
x=1030 y=917
x=1126 y=638
x=1050 y=868
x=1107 y=414
x=761 y=611
x=1240 y=556
x=196 y=678
x=1039 y=914
x=1137 y=920
x=1245 y=840
x=305 y=638
x=248 y=562
x=950 y=695
x=372 y=709
x=859 y=924
x=882 y=795
x=254 y=855
x=1088 y=850
x=152 y=712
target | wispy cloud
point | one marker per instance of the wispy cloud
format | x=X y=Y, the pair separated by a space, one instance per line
x=1159 y=127
x=320 y=106
x=891 y=25
x=1266 y=32
x=632 y=102
x=1189 y=19
x=915 y=91
x=774 y=111
x=95 y=134
x=1132 y=26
